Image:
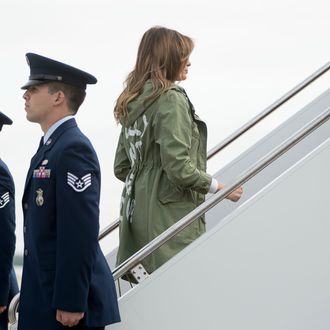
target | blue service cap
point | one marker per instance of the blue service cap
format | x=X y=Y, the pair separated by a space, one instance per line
x=44 y=69
x=4 y=120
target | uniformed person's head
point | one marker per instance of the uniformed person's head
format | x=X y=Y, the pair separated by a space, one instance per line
x=59 y=76
x=4 y=120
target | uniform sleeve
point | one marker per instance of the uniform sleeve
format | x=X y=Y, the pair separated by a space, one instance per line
x=173 y=133
x=122 y=164
x=7 y=234
x=77 y=221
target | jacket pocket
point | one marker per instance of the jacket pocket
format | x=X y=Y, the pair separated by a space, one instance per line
x=169 y=192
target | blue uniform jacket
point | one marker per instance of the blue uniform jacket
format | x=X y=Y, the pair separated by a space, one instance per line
x=64 y=267
x=8 y=283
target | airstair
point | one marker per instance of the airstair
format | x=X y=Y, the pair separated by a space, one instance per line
x=264 y=262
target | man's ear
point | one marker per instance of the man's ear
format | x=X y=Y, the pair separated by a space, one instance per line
x=59 y=97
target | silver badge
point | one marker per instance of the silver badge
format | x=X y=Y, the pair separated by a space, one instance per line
x=40 y=197
x=49 y=141
x=44 y=162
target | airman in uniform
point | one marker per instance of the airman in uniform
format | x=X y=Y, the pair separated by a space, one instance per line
x=8 y=282
x=66 y=280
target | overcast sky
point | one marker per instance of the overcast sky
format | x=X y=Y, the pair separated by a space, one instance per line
x=247 y=54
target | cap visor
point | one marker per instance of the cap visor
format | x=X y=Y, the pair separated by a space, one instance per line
x=32 y=83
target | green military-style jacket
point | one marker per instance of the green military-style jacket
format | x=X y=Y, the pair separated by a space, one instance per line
x=161 y=157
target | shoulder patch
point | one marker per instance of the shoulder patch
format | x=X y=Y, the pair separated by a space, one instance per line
x=4 y=200
x=79 y=184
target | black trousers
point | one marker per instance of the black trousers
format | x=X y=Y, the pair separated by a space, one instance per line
x=4 y=320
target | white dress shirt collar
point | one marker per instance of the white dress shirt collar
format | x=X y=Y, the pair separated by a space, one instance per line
x=52 y=128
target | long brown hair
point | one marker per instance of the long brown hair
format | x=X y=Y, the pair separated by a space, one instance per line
x=161 y=54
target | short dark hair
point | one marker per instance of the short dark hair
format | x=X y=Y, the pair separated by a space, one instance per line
x=75 y=95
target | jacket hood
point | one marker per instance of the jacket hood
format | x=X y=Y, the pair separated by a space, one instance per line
x=138 y=106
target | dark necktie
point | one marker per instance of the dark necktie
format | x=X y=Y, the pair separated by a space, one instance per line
x=41 y=143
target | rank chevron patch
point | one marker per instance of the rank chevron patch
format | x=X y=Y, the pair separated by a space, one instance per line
x=4 y=200
x=79 y=184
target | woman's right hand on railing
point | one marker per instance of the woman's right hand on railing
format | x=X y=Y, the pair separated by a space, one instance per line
x=233 y=196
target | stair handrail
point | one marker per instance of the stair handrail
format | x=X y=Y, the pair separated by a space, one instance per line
x=255 y=120
x=108 y=229
x=137 y=258
x=251 y=123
